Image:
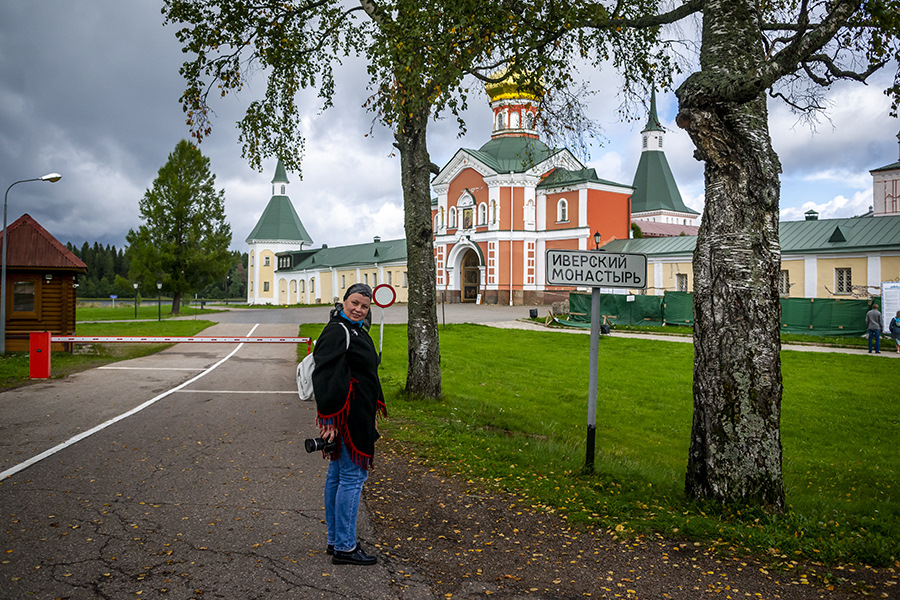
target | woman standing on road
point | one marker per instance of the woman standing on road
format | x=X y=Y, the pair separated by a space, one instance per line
x=348 y=398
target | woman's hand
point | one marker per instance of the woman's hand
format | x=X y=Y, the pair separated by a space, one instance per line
x=328 y=433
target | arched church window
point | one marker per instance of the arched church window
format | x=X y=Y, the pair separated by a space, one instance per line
x=514 y=119
x=482 y=214
x=283 y=188
x=529 y=120
x=529 y=214
x=562 y=211
x=501 y=118
x=452 y=220
x=494 y=215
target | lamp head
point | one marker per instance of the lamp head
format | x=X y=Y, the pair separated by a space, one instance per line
x=159 y=285
x=51 y=177
x=597 y=238
x=135 y=285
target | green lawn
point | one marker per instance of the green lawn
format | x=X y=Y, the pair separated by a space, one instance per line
x=124 y=312
x=514 y=416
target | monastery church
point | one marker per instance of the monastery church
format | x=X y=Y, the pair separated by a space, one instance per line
x=496 y=211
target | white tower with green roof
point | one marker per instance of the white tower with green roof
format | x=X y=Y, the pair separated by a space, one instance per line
x=656 y=198
x=279 y=229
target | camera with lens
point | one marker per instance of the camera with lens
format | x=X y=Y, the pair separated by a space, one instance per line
x=314 y=444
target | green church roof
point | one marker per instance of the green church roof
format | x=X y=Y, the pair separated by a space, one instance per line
x=654 y=186
x=279 y=222
x=513 y=154
x=653 y=123
x=280 y=174
x=564 y=177
x=889 y=167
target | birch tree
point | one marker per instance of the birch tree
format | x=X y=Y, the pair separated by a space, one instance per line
x=793 y=50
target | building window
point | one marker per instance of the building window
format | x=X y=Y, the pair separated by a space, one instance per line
x=500 y=119
x=266 y=261
x=784 y=282
x=514 y=120
x=645 y=141
x=312 y=285
x=681 y=282
x=389 y=278
x=366 y=278
x=265 y=286
x=24 y=297
x=842 y=281
x=405 y=279
x=374 y=279
x=343 y=281
x=251 y=259
x=529 y=120
x=660 y=141
x=302 y=287
x=494 y=211
x=452 y=219
x=562 y=211
x=482 y=214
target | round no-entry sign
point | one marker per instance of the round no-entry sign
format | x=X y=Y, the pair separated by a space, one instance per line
x=383 y=295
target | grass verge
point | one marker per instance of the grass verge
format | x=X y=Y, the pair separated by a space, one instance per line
x=513 y=417
x=125 y=312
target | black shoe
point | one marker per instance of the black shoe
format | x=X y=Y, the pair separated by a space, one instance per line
x=329 y=549
x=357 y=556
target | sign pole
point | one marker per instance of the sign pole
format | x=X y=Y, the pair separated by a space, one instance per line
x=383 y=296
x=592 y=379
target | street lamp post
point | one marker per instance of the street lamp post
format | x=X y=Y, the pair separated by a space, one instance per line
x=52 y=178
x=135 y=284
x=159 y=300
x=227 y=281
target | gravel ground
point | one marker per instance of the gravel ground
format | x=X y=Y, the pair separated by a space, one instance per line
x=443 y=537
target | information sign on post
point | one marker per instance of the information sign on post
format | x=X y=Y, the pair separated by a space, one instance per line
x=595 y=269
x=592 y=268
x=383 y=296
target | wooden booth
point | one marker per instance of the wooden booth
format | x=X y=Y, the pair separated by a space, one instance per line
x=40 y=284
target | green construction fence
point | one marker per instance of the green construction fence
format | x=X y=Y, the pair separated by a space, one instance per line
x=807 y=316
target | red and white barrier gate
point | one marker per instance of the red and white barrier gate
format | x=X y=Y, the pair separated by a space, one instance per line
x=39 y=354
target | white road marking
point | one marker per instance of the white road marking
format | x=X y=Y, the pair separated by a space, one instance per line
x=234 y=392
x=85 y=434
x=152 y=368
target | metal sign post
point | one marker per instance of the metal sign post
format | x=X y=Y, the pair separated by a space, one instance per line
x=595 y=269
x=383 y=296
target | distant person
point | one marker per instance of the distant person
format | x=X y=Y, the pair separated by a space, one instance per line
x=348 y=398
x=894 y=328
x=875 y=325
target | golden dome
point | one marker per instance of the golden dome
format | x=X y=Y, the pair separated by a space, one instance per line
x=517 y=85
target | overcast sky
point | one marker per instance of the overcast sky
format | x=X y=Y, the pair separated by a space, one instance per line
x=90 y=90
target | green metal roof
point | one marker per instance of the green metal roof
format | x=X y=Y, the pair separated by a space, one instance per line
x=889 y=167
x=796 y=237
x=280 y=174
x=653 y=123
x=563 y=177
x=279 y=222
x=654 y=186
x=513 y=154
x=862 y=233
x=347 y=256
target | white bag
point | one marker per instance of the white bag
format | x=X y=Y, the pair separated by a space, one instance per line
x=305 y=371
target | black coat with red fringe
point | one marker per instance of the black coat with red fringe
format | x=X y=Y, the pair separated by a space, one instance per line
x=348 y=391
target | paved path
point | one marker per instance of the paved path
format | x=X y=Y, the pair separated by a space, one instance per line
x=182 y=475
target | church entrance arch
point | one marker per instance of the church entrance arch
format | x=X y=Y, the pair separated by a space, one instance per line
x=471 y=276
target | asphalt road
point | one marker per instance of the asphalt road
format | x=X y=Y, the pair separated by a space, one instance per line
x=206 y=492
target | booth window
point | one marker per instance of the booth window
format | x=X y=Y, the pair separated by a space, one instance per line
x=24 y=299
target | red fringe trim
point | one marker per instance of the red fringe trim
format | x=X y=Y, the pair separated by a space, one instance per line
x=338 y=420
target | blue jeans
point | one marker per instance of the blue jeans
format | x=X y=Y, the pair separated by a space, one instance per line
x=343 y=488
x=874 y=333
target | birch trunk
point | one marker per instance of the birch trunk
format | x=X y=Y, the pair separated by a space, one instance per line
x=423 y=376
x=735 y=450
